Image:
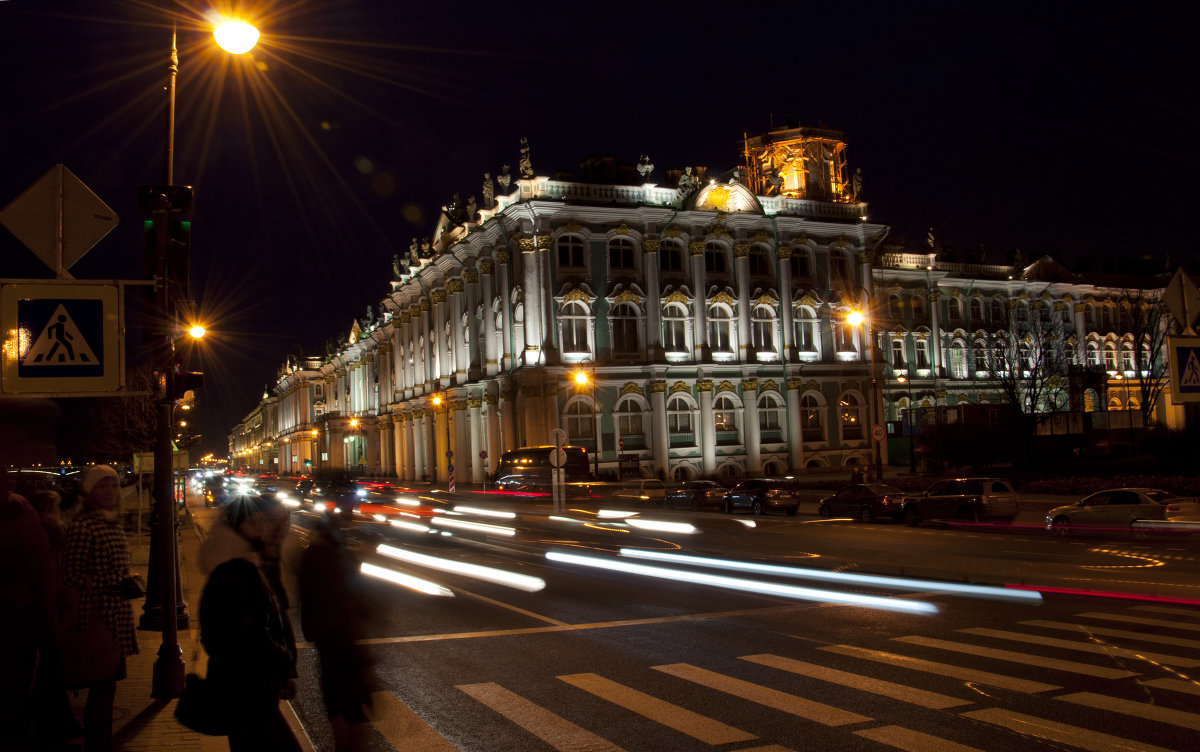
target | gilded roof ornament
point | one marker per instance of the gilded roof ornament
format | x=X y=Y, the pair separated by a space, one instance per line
x=725 y=386
x=621 y=229
x=576 y=294
x=631 y=388
x=679 y=386
x=572 y=227
x=769 y=385
x=724 y=297
x=673 y=232
x=676 y=296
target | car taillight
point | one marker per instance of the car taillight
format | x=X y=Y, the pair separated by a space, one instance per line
x=1173 y=508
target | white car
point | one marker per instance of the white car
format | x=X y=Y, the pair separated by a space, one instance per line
x=1115 y=508
x=1184 y=509
x=645 y=490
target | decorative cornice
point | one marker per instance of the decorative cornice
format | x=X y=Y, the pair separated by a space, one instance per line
x=676 y=297
x=572 y=228
x=726 y=386
x=621 y=229
x=679 y=386
x=808 y=300
x=761 y=236
x=454 y=285
x=673 y=232
x=704 y=385
x=438 y=296
x=724 y=297
x=765 y=299
x=657 y=387
x=650 y=245
x=576 y=294
x=696 y=248
x=769 y=386
x=627 y=296
x=631 y=388
x=471 y=275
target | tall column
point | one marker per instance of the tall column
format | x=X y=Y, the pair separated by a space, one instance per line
x=442 y=370
x=531 y=288
x=421 y=449
x=458 y=345
x=653 y=300
x=461 y=445
x=700 y=348
x=544 y=334
x=935 y=327
x=508 y=414
x=398 y=443
x=474 y=346
x=1081 y=332
x=509 y=344
x=706 y=428
x=660 y=437
x=495 y=445
x=795 y=427
x=478 y=472
x=491 y=355
x=741 y=275
x=786 y=324
x=750 y=431
x=386 y=452
x=386 y=389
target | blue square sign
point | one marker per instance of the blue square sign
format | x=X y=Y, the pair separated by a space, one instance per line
x=1184 y=355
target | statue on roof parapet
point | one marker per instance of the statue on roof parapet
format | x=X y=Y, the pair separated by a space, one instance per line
x=525 y=164
x=644 y=167
x=688 y=182
x=504 y=179
x=489 y=191
x=856 y=183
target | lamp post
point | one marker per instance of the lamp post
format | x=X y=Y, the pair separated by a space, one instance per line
x=584 y=378
x=163 y=605
x=855 y=318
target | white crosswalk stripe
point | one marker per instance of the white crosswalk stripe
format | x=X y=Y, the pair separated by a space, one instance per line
x=1106 y=632
x=904 y=693
x=1083 y=647
x=1074 y=736
x=1138 y=709
x=553 y=729
x=912 y=741
x=1191 y=687
x=1143 y=620
x=944 y=669
x=1074 y=667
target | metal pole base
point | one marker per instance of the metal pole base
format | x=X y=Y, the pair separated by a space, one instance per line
x=168 y=678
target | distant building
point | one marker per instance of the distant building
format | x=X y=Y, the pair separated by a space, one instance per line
x=709 y=316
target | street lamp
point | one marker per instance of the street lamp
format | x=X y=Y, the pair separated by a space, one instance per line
x=583 y=379
x=855 y=318
x=168 y=676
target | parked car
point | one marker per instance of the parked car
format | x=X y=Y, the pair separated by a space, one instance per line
x=642 y=490
x=1184 y=509
x=696 y=493
x=763 y=494
x=1114 y=508
x=865 y=502
x=964 y=499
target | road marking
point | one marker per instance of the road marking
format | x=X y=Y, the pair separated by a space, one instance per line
x=1074 y=736
x=555 y=730
x=1147 y=622
x=895 y=691
x=772 y=698
x=580 y=627
x=1083 y=647
x=1175 y=685
x=403 y=728
x=1168 y=610
x=298 y=730
x=668 y=714
x=912 y=741
x=1106 y=632
x=943 y=669
x=1008 y=655
x=1138 y=709
x=511 y=607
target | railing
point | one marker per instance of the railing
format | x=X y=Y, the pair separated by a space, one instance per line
x=683 y=439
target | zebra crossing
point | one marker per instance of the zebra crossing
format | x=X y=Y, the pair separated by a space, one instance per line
x=801 y=686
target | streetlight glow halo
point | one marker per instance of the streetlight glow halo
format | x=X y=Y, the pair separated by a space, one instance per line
x=235 y=37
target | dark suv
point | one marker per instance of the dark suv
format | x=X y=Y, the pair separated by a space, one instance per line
x=763 y=494
x=964 y=499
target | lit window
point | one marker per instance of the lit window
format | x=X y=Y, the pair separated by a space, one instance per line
x=807 y=333
x=580 y=423
x=898 y=361
x=811 y=423
x=573 y=322
x=922 y=353
x=770 y=413
x=679 y=416
x=850 y=415
x=958 y=360
x=762 y=328
x=624 y=320
x=675 y=318
x=720 y=336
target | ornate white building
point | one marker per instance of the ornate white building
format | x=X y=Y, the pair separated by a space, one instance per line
x=710 y=318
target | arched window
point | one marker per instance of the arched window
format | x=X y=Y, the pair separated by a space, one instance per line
x=850 y=417
x=1127 y=364
x=894 y=307
x=680 y=430
x=1089 y=317
x=581 y=423
x=570 y=252
x=625 y=329
x=839 y=267
x=844 y=335
x=1110 y=356
x=770 y=417
x=628 y=414
x=1022 y=311
x=918 y=307
x=899 y=361
x=725 y=420
x=720 y=330
x=801 y=267
x=760 y=262
x=573 y=323
x=1089 y=401
x=812 y=424
x=976 y=311
x=958 y=359
x=808 y=338
x=1147 y=364
x=1093 y=354
x=922 y=347
x=715 y=258
x=675 y=326
x=670 y=255
x=621 y=254
x=955 y=306
x=998 y=318
x=762 y=328
x=1106 y=318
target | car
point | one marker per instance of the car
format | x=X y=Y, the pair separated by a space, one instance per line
x=644 y=490
x=965 y=500
x=865 y=502
x=1184 y=509
x=760 y=495
x=696 y=493
x=1111 y=509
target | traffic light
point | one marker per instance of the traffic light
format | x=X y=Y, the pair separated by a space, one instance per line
x=184 y=382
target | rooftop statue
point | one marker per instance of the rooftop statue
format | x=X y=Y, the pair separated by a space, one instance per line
x=856 y=183
x=525 y=164
x=504 y=179
x=688 y=182
x=412 y=252
x=472 y=210
x=644 y=168
x=397 y=268
x=489 y=191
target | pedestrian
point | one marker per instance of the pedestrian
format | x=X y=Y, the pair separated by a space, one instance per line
x=53 y=716
x=95 y=561
x=251 y=650
x=333 y=616
x=26 y=594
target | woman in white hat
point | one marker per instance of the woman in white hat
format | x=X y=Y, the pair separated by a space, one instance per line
x=96 y=551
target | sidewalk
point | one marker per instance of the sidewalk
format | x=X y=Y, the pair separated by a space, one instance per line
x=141 y=722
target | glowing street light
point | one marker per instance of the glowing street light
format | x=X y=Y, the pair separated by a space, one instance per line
x=235 y=37
x=196 y=331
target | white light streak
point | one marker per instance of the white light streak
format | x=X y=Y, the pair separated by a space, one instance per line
x=486 y=512
x=749 y=523
x=476 y=526
x=611 y=513
x=289 y=502
x=752 y=586
x=408 y=581
x=897 y=583
x=490 y=574
x=661 y=525
x=380 y=518
x=411 y=526
x=407 y=501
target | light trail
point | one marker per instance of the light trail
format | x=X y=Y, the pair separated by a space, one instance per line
x=408 y=581
x=490 y=574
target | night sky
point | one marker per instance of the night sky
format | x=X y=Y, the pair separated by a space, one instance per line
x=1048 y=127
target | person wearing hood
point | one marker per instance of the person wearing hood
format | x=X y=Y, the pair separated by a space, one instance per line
x=97 y=552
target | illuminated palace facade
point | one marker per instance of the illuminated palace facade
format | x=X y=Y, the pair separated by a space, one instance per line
x=709 y=316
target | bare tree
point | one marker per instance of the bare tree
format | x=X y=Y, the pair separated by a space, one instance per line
x=1148 y=323
x=123 y=425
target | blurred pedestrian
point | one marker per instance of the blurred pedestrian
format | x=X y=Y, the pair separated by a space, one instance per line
x=26 y=595
x=52 y=715
x=333 y=616
x=95 y=561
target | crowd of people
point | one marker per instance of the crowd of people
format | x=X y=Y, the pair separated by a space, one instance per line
x=66 y=610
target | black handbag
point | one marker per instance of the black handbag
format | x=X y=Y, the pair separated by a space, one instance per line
x=199 y=708
x=133 y=587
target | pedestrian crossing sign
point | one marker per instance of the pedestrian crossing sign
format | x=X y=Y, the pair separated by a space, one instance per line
x=1185 y=368
x=60 y=338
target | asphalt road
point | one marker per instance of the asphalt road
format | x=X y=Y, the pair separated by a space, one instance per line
x=656 y=658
